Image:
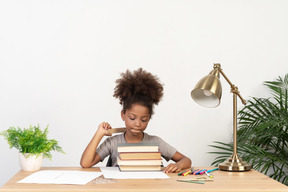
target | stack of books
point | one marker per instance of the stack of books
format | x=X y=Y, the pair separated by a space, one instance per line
x=139 y=157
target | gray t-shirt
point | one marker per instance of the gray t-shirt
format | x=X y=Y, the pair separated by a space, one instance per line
x=109 y=147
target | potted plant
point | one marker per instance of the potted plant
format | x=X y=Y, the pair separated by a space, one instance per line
x=33 y=145
x=263 y=133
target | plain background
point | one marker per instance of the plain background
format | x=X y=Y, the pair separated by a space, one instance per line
x=60 y=59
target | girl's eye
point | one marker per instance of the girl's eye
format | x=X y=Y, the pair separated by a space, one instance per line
x=144 y=120
x=131 y=118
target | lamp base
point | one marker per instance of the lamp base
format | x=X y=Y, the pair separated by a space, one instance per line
x=235 y=163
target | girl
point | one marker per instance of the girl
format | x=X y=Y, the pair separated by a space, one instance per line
x=138 y=93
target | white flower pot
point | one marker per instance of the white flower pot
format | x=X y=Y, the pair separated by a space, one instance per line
x=31 y=163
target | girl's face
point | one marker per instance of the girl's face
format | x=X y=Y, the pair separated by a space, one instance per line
x=136 y=119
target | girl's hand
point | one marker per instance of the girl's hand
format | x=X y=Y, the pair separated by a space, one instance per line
x=103 y=129
x=173 y=168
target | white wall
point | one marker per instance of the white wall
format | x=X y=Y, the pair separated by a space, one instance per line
x=60 y=59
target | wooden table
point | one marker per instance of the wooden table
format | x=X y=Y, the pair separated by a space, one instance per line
x=223 y=181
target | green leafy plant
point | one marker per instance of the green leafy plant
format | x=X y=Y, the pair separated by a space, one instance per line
x=263 y=133
x=31 y=140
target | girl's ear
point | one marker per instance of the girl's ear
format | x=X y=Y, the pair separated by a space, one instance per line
x=122 y=115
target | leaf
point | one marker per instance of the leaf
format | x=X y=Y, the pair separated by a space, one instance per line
x=31 y=140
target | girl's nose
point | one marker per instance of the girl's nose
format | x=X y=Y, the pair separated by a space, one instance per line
x=137 y=123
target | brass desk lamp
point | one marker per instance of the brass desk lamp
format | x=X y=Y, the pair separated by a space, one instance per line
x=207 y=93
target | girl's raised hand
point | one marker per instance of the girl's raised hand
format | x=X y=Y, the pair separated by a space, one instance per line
x=103 y=129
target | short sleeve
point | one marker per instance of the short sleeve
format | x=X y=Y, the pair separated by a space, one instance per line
x=104 y=149
x=166 y=150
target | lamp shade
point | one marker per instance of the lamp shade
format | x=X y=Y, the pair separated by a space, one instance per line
x=208 y=90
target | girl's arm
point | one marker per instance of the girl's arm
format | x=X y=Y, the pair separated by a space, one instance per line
x=89 y=156
x=182 y=162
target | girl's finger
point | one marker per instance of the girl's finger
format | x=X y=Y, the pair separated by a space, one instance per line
x=168 y=168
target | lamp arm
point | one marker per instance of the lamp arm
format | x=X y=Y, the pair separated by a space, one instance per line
x=234 y=89
x=236 y=93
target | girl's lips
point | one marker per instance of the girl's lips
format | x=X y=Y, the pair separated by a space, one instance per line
x=136 y=130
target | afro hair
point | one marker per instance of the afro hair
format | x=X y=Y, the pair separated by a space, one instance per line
x=139 y=87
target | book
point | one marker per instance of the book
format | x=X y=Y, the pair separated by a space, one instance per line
x=139 y=162
x=137 y=147
x=140 y=167
x=135 y=157
x=139 y=155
